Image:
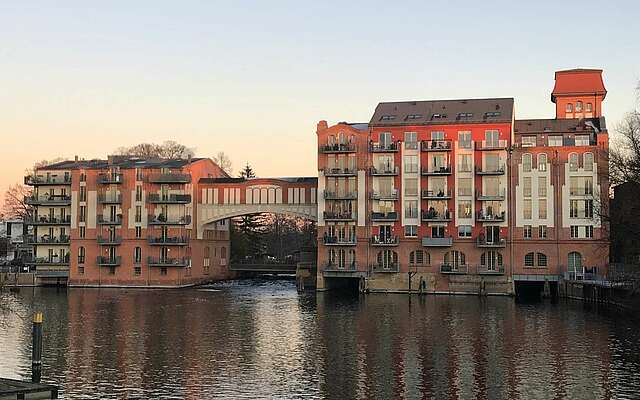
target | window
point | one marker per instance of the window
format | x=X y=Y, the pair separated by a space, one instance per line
x=411 y=164
x=464 y=209
x=81 y=255
x=575 y=262
x=83 y=193
x=138 y=232
x=83 y=214
x=464 y=140
x=387 y=118
x=464 y=186
x=138 y=213
x=163 y=271
x=81 y=270
x=83 y=177
x=526 y=186
x=578 y=106
x=569 y=107
x=82 y=232
x=555 y=140
x=207 y=257
x=542 y=260
x=419 y=257
x=526 y=208
x=454 y=258
x=542 y=162
x=589 y=107
x=573 y=162
x=492 y=260
x=464 y=231
x=411 y=209
x=529 y=260
x=542 y=231
x=542 y=186
x=137 y=255
x=139 y=174
x=582 y=140
x=112 y=270
x=528 y=141
x=137 y=271
x=464 y=163
x=411 y=231
x=437 y=231
x=574 y=231
x=387 y=259
x=526 y=232
x=587 y=163
x=414 y=116
x=411 y=140
x=138 y=193
x=492 y=137
x=542 y=208
x=411 y=187
x=526 y=162
x=465 y=115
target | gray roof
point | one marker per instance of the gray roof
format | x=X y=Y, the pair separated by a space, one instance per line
x=122 y=162
x=533 y=126
x=311 y=179
x=439 y=112
x=361 y=126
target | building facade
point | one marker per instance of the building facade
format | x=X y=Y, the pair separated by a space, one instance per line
x=459 y=196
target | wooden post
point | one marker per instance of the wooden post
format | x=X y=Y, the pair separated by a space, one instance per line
x=36 y=351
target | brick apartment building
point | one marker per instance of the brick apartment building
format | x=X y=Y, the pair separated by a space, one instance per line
x=124 y=222
x=459 y=196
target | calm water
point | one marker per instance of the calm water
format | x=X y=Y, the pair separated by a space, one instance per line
x=263 y=340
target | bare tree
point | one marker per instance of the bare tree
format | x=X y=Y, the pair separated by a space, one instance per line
x=42 y=164
x=224 y=162
x=14 y=205
x=624 y=155
x=169 y=150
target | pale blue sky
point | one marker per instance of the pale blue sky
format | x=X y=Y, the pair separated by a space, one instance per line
x=253 y=78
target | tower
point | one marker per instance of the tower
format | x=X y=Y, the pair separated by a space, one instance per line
x=578 y=93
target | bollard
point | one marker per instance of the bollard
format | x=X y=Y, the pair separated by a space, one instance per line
x=36 y=352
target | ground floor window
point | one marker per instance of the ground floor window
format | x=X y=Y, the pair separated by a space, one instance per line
x=81 y=270
x=163 y=271
x=137 y=270
x=112 y=270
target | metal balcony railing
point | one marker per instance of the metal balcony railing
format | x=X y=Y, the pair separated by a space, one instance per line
x=496 y=170
x=328 y=195
x=106 y=261
x=437 y=241
x=168 y=241
x=48 y=199
x=381 y=216
x=384 y=241
x=48 y=220
x=336 y=267
x=46 y=239
x=491 y=145
x=340 y=172
x=109 y=241
x=482 y=241
x=110 y=178
x=487 y=216
x=495 y=196
x=387 y=170
x=339 y=216
x=168 y=261
x=338 y=241
x=389 y=268
x=47 y=180
x=376 y=195
x=383 y=147
x=436 y=145
x=169 y=198
x=164 y=220
x=436 y=194
x=169 y=178
x=448 y=268
x=436 y=216
x=338 y=148
x=490 y=270
x=442 y=170
x=108 y=220
x=109 y=198
x=55 y=260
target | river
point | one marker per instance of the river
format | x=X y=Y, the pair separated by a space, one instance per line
x=261 y=339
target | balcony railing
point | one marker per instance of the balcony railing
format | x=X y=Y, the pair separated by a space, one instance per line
x=164 y=220
x=375 y=195
x=443 y=170
x=485 y=216
x=436 y=216
x=46 y=239
x=109 y=198
x=169 y=178
x=492 y=145
x=499 y=170
x=482 y=241
x=490 y=270
x=47 y=180
x=436 y=194
x=168 y=241
x=388 y=170
x=383 y=147
x=497 y=196
x=48 y=260
x=436 y=145
x=340 y=172
x=437 y=241
x=108 y=261
x=382 y=217
x=339 y=216
x=340 y=196
x=168 y=261
x=108 y=220
x=107 y=179
x=169 y=198
x=338 y=241
x=448 y=268
x=587 y=191
x=385 y=268
x=48 y=220
x=384 y=241
x=47 y=199
x=346 y=267
x=338 y=148
x=109 y=241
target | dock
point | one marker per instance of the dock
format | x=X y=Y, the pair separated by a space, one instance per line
x=11 y=389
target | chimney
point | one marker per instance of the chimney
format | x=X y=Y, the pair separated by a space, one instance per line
x=76 y=158
x=322 y=125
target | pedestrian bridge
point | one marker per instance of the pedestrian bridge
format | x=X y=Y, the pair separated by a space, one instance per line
x=222 y=198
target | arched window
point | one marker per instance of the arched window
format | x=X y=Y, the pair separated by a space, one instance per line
x=333 y=257
x=454 y=258
x=578 y=106
x=81 y=255
x=419 y=257
x=542 y=260
x=207 y=257
x=589 y=107
x=575 y=262
x=223 y=252
x=542 y=162
x=331 y=140
x=387 y=259
x=526 y=162
x=137 y=255
x=491 y=260
x=573 y=162
x=352 y=259
x=529 y=260
x=587 y=161
x=342 y=138
x=569 y=107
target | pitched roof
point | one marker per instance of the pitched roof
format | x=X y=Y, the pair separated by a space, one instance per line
x=439 y=112
x=534 y=126
x=122 y=162
x=578 y=81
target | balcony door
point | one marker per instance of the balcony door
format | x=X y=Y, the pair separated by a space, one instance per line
x=492 y=138
x=385 y=233
x=385 y=139
x=492 y=234
x=387 y=259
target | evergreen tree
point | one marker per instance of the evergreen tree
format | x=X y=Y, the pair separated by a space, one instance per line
x=247 y=233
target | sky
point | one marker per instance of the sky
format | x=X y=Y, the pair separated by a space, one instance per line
x=252 y=79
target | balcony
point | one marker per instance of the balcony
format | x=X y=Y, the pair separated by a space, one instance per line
x=340 y=195
x=338 y=148
x=378 y=241
x=332 y=216
x=109 y=198
x=384 y=217
x=490 y=270
x=48 y=220
x=168 y=241
x=491 y=145
x=108 y=220
x=485 y=216
x=436 y=195
x=333 y=267
x=498 y=196
x=436 y=216
x=108 y=179
x=435 y=145
x=387 y=196
x=103 y=261
x=388 y=170
x=48 y=200
x=453 y=269
x=169 y=178
x=385 y=268
x=443 y=170
x=338 y=241
x=168 y=262
x=437 y=241
x=340 y=172
x=46 y=239
x=48 y=261
x=163 y=220
x=157 y=198
x=47 y=180
x=383 y=147
x=109 y=241
x=482 y=241
x=499 y=170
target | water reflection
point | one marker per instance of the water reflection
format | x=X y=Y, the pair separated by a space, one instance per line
x=263 y=340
